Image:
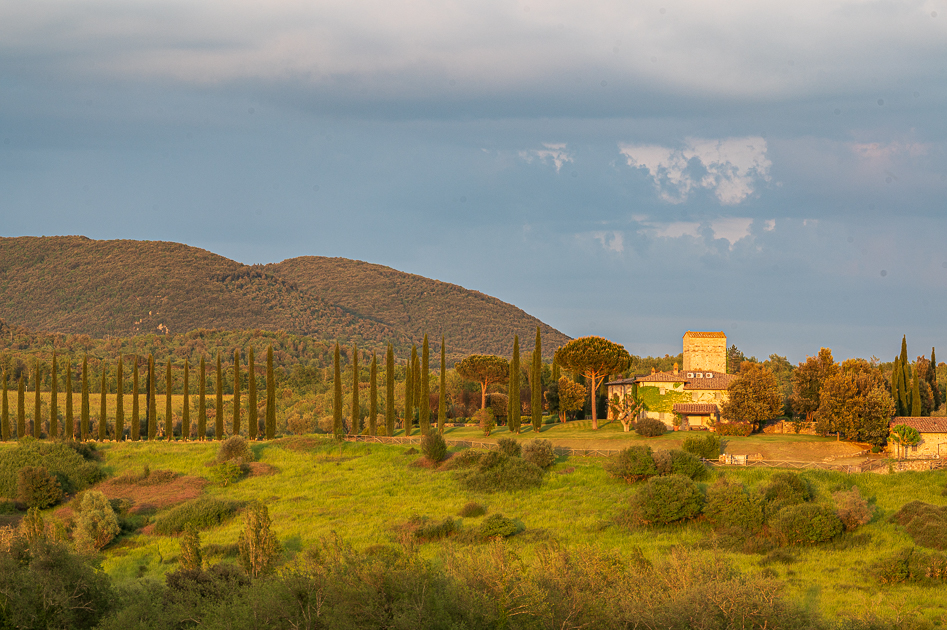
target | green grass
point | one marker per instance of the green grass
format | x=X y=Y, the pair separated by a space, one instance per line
x=364 y=491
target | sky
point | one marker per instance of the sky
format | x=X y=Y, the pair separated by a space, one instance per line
x=632 y=170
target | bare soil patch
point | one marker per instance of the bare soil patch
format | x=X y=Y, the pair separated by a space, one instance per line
x=148 y=499
x=795 y=451
x=259 y=469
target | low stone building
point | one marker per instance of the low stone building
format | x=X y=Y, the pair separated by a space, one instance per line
x=933 y=437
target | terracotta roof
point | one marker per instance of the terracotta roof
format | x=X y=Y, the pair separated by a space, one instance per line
x=624 y=381
x=696 y=408
x=662 y=377
x=691 y=333
x=719 y=380
x=923 y=425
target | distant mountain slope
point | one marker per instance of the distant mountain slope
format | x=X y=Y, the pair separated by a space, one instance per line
x=418 y=305
x=71 y=284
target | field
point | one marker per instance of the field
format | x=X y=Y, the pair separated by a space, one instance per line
x=314 y=487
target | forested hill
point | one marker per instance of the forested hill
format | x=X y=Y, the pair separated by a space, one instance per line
x=122 y=288
x=417 y=305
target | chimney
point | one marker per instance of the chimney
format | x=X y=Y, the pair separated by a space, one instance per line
x=652 y=370
x=675 y=368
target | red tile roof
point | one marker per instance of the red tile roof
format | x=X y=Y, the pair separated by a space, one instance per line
x=702 y=409
x=923 y=425
x=719 y=380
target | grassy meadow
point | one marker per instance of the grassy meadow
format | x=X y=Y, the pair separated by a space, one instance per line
x=315 y=487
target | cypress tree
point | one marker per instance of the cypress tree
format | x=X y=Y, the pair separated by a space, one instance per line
x=515 y=386
x=556 y=373
x=168 y=418
x=5 y=412
x=337 y=395
x=354 y=428
x=915 y=396
x=236 y=392
x=135 y=429
x=219 y=418
x=373 y=398
x=84 y=403
x=897 y=387
x=21 y=409
x=37 y=403
x=70 y=429
x=202 y=402
x=442 y=393
x=270 y=396
x=932 y=380
x=186 y=413
x=54 y=403
x=416 y=389
x=905 y=375
x=152 y=403
x=390 y=391
x=252 y=418
x=120 y=400
x=424 y=409
x=103 y=388
x=536 y=386
x=409 y=392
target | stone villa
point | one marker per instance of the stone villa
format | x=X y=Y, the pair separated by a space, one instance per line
x=693 y=394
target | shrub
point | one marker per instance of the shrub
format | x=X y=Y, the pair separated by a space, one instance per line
x=805 y=523
x=785 y=489
x=486 y=420
x=675 y=462
x=36 y=488
x=465 y=459
x=650 y=427
x=729 y=505
x=539 y=452
x=632 y=464
x=191 y=557
x=852 y=509
x=706 y=446
x=499 y=526
x=202 y=513
x=510 y=446
x=434 y=447
x=499 y=472
x=97 y=524
x=424 y=529
x=234 y=448
x=472 y=510
x=926 y=524
x=7 y=506
x=258 y=546
x=228 y=472
x=741 y=429
x=147 y=477
x=73 y=471
x=664 y=500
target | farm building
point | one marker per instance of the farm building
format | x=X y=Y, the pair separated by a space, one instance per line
x=933 y=436
x=694 y=394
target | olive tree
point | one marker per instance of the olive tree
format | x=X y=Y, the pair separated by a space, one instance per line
x=595 y=358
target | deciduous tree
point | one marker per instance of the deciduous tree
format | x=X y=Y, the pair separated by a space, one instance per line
x=258 y=546
x=854 y=402
x=754 y=396
x=807 y=382
x=485 y=369
x=594 y=358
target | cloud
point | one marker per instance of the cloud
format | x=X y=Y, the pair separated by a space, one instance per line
x=611 y=241
x=730 y=167
x=556 y=153
x=730 y=228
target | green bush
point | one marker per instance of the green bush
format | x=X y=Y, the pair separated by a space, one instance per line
x=499 y=472
x=36 y=488
x=805 y=524
x=234 y=448
x=706 y=446
x=853 y=510
x=910 y=565
x=424 y=529
x=926 y=524
x=465 y=459
x=664 y=500
x=202 y=513
x=729 y=505
x=97 y=524
x=73 y=471
x=486 y=420
x=146 y=477
x=650 y=427
x=228 y=472
x=675 y=462
x=472 y=510
x=632 y=464
x=741 y=429
x=785 y=489
x=434 y=447
x=510 y=446
x=499 y=526
x=540 y=452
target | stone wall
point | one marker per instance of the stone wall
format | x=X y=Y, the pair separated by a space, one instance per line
x=931 y=445
x=705 y=353
x=784 y=426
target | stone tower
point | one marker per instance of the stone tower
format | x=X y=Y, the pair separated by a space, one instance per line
x=705 y=351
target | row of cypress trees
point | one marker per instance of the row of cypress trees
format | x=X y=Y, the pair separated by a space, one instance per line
x=417 y=393
x=514 y=422
x=906 y=384
x=85 y=427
